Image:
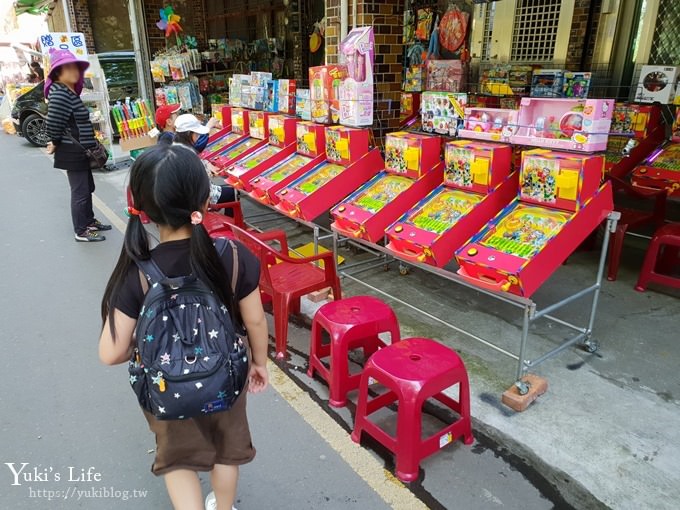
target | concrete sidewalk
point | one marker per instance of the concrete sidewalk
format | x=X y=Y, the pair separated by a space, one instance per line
x=65 y=414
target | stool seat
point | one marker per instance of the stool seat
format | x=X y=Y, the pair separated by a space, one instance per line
x=351 y=323
x=418 y=360
x=413 y=371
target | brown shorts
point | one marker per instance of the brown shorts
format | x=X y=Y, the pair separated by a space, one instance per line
x=200 y=443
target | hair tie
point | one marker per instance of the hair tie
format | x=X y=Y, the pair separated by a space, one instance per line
x=196 y=218
x=131 y=211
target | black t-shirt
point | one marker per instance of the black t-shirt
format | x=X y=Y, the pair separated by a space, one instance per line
x=172 y=258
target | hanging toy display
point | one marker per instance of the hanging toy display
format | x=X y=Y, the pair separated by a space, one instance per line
x=316 y=39
x=424 y=24
x=169 y=23
x=452 y=29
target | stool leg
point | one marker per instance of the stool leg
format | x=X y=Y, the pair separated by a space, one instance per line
x=615 y=251
x=362 y=406
x=408 y=439
x=314 y=345
x=281 y=325
x=464 y=399
x=648 y=266
x=339 y=373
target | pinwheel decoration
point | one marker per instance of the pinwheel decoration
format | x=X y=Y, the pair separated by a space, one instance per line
x=191 y=42
x=169 y=22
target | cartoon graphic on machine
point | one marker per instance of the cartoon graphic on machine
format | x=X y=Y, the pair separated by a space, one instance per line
x=413 y=168
x=560 y=203
x=477 y=184
x=258 y=137
x=349 y=164
x=282 y=139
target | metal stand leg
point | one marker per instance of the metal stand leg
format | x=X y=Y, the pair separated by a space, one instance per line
x=316 y=240
x=521 y=367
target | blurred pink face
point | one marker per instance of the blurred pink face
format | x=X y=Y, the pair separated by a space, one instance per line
x=69 y=74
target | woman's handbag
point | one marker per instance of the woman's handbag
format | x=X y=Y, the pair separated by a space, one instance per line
x=98 y=155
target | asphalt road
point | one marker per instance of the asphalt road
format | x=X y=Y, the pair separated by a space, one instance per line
x=72 y=426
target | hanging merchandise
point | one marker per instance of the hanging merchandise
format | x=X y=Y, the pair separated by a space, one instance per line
x=433 y=48
x=409 y=33
x=453 y=28
x=173 y=69
x=316 y=39
x=169 y=23
x=424 y=24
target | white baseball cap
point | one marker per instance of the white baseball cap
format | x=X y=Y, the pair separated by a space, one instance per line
x=188 y=122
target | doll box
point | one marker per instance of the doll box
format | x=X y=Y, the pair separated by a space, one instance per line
x=311 y=138
x=287 y=96
x=525 y=244
x=560 y=180
x=319 y=189
x=345 y=145
x=356 y=91
x=568 y=124
x=492 y=124
x=282 y=130
x=443 y=112
x=657 y=84
x=411 y=154
x=476 y=166
x=439 y=224
x=367 y=212
x=324 y=91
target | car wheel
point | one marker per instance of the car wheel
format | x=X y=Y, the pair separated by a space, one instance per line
x=34 y=129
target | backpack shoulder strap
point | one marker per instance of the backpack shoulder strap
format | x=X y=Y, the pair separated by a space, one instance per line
x=151 y=271
x=222 y=244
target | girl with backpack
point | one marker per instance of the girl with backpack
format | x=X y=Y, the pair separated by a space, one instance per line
x=179 y=314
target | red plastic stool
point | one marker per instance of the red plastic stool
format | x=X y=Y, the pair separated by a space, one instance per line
x=352 y=323
x=414 y=370
x=667 y=241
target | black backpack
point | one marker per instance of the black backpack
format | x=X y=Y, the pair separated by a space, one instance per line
x=189 y=360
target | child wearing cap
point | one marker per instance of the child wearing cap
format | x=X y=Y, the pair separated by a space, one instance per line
x=165 y=119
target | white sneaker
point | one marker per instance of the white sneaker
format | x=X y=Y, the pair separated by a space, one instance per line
x=211 y=502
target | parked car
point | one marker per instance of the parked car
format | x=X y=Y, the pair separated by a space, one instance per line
x=30 y=109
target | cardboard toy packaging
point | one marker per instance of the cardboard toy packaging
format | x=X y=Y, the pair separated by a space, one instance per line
x=236 y=84
x=356 y=91
x=324 y=83
x=446 y=75
x=303 y=105
x=287 y=97
x=409 y=106
x=414 y=81
x=443 y=112
x=547 y=83
x=271 y=100
x=494 y=124
x=657 y=84
x=576 y=85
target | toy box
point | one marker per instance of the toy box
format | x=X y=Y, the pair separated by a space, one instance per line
x=260 y=79
x=287 y=96
x=236 y=84
x=446 y=75
x=414 y=79
x=324 y=92
x=657 y=84
x=318 y=189
x=440 y=223
x=495 y=80
x=409 y=106
x=443 y=112
x=303 y=105
x=356 y=91
x=576 y=85
x=343 y=143
x=569 y=124
x=271 y=100
x=562 y=180
x=282 y=139
x=310 y=153
x=547 y=83
x=411 y=154
x=495 y=124
x=476 y=166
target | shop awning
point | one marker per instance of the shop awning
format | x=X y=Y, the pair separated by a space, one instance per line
x=32 y=6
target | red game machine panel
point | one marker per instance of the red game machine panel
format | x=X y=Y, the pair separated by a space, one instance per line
x=310 y=141
x=661 y=171
x=319 y=189
x=258 y=131
x=225 y=113
x=281 y=145
x=477 y=185
x=238 y=131
x=525 y=244
x=559 y=179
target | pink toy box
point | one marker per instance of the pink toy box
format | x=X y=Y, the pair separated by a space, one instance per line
x=477 y=184
x=281 y=145
x=356 y=91
x=568 y=124
x=560 y=203
x=493 y=124
x=412 y=169
x=324 y=92
x=287 y=97
x=239 y=131
x=318 y=189
x=258 y=132
x=310 y=152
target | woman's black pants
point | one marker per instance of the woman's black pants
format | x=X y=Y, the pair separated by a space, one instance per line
x=82 y=187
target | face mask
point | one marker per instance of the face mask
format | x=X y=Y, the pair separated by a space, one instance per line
x=201 y=143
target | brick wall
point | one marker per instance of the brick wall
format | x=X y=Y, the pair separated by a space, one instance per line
x=386 y=17
x=80 y=17
x=578 y=45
